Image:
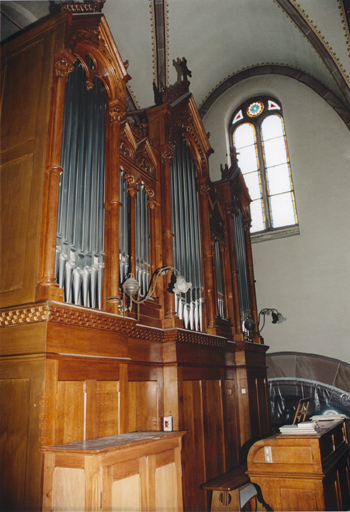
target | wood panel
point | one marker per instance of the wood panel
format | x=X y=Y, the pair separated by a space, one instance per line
x=213 y=428
x=25 y=109
x=69 y=489
x=84 y=340
x=102 y=415
x=143 y=406
x=23 y=339
x=126 y=493
x=231 y=424
x=14 y=419
x=166 y=492
x=70 y=412
x=15 y=203
x=22 y=402
x=291 y=498
x=21 y=88
x=193 y=451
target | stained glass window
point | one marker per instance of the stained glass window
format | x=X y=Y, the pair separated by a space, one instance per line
x=258 y=134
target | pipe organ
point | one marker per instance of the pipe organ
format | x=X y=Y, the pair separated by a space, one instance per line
x=186 y=227
x=91 y=193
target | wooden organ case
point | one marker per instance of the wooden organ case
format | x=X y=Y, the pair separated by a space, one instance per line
x=74 y=364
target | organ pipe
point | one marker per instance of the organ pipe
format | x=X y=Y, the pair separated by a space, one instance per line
x=186 y=248
x=242 y=270
x=80 y=227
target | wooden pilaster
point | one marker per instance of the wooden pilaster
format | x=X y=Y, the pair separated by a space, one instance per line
x=47 y=288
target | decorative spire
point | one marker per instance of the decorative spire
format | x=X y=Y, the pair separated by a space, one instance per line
x=82 y=6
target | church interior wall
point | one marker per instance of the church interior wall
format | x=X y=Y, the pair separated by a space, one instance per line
x=306 y=277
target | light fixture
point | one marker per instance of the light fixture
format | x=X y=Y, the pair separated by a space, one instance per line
x=131 y=287
x=277 y=318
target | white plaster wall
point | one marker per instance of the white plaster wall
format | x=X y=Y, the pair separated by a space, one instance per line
x=306 y=277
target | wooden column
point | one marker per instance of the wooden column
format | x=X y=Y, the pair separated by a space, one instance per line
x=167 y=154
x=112 y=294
x=154 y=229
x=238 y=335
x=47 y=288
x=250 y=269
x=208 y=260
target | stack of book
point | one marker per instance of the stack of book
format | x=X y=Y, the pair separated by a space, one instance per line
x=303 y=428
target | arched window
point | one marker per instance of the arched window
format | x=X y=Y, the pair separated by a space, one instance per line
x=258 y=136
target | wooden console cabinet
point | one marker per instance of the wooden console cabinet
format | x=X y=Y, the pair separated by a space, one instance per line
x=140 y=471
x=303 y=472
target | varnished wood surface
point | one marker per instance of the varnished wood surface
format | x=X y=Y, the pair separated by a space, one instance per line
x=118 y=442
x=92 y=373
x=136 y=471
x=228 y=481
x=304 y=472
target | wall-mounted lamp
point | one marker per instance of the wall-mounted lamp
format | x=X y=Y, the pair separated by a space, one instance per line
x=277 y=318
x=131 y=287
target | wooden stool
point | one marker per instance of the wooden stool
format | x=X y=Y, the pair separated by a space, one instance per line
x=231 y=491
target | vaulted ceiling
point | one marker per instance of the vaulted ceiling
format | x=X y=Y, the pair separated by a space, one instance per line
x=224 y=41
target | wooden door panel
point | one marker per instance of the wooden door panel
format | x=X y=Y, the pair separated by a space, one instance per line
x=70 y=412
x=102 y=409
x=126 y=493
x=213 y=428
x=14 y=407
x=166 y=492
x=143 y=405
x=193 y=457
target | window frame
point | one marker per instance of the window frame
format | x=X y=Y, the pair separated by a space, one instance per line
x=272 y=106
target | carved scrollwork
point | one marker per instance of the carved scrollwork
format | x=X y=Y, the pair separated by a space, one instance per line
x=91 y=36
x=116 y=114
x=126 y=150
x=167 y=156
x=63 y=67
x=144 y=164
x=82 y=7
x=204 y=189
x=152 y=202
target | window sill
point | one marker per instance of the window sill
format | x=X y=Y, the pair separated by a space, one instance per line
x=264 y=236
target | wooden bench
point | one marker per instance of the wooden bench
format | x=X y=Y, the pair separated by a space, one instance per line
x=231 y=491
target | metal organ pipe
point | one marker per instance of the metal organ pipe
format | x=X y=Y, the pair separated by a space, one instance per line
x=80 y=229
x=185 y=217
x=142 y=240
x=241 y=265
x=123 y=236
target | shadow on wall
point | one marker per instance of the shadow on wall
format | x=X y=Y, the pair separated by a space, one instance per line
x=295 y=375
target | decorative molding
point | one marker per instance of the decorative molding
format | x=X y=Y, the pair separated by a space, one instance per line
x=116 y=114
x=322 y=38
x=204 y=189
x=193 y=337
x=68 y=314
x=25 y=315
x=167 y=156
x=82 y=7
x=159 y=19
x=63 y=67
x=91 y=36
x=314 y=36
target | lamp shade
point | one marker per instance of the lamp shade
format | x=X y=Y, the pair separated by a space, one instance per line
x=131 y=286
x=181 y=285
